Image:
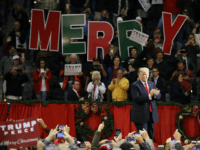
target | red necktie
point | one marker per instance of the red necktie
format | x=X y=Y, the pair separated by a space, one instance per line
x=147 y=89
x=77 y=93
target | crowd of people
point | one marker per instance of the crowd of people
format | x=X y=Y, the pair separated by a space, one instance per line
x=106 y=78
x=135 y=140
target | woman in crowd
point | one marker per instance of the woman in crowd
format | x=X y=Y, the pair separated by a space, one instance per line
x=41 y=78
x=176 y=92
x=96 y=88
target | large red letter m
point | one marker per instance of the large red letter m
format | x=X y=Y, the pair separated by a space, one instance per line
x=41 y=32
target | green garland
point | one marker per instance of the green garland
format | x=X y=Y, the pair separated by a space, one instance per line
x=84 y=130
x=186 y=111
x=114 y=103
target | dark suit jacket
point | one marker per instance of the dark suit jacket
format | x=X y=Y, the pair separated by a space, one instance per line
x=141 y=103
x=162 y=86
x=72 y=96
x=190 y=64
x=176 y=92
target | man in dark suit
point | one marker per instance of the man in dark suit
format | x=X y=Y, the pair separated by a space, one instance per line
x=159 y=82
x=144 y=112
x=182 y=56
x=73 y=94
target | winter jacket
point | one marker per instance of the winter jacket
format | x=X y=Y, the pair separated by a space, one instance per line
x=109 y=75
x=65 y=81
x=38 y=80
x=14 y=83
x=119 y=90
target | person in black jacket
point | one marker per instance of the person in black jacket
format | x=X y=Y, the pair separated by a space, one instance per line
x=161 y=65
x=16 y=32
x=131 y=58
x=176 y=92
x=160 y=83
x=182 y=56
x=132 y=77
x=74 y=94
x=22 y=17
x=14 y=80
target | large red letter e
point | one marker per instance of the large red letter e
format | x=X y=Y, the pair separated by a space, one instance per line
x=171 y=30
x=45 y=32
x=94 y=42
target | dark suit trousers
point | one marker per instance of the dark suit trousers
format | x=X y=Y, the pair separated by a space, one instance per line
x=149 y=126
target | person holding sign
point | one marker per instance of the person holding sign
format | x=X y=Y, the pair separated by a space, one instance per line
x=155 y=45
x=96 y=88
x=41 y=78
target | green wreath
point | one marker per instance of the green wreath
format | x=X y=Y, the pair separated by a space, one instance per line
x=187 y=111
x=83 y=112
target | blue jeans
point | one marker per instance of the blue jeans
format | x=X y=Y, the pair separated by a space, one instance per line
x=42 y=95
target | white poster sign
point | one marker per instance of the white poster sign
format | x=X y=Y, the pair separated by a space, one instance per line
x=139 y=37
x=19 y=45
x=72 y=69
x=145 y=5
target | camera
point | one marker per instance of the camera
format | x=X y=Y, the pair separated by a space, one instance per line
x=60 y=131
x=96 y=65
x=130 y=139
x=117 y=132
x=19 y=70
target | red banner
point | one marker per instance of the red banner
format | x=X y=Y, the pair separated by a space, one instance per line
x=20 y=133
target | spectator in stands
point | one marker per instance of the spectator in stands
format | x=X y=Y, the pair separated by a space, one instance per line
x=196 y=32
x=132 y=77
x=96 y=66
x=170 y=6
x=119 y=87
x=182 y=56
x=77 y=6
x=14 y=80
x=67 y=82
x=131 y=58
x=160 y=83
x=150 y=63
x=155 y=45
x=17 y=33
x=193 y=48
x=161 y=65
x=47 y=5
x=104 y=17
x=177 y=93
x=74 y=94
x=21 y=16
x=7 y=62
x=112 y=74
x=188 y=77
x=2 y=35
x=41 y=78
x=96 y=88
x=186 y=28
x=139 y=19
x=108 y=59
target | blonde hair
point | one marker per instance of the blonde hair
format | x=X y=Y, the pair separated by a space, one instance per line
x=96 y=72
x=143 y=69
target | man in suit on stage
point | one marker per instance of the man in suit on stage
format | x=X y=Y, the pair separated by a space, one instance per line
x=144 y=112
x=73 y=94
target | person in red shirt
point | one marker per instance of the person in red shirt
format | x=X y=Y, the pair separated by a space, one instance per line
x=41 y=78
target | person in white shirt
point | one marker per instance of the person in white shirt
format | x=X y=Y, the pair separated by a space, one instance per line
x=41 y=78
x=96 y=88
